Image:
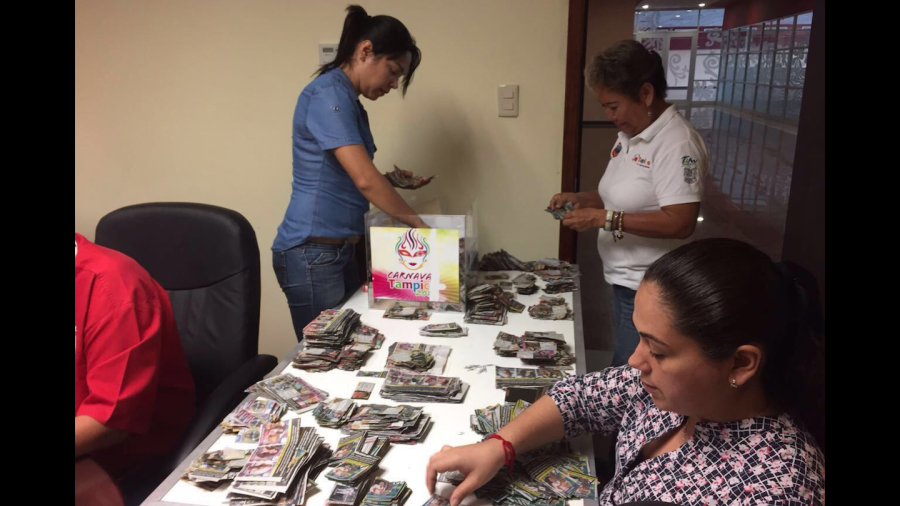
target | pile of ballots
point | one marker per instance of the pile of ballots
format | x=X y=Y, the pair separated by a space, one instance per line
x=542 y=349
x=361 y=442
x=418 y=357
x=399 y=424
x=551 y=268
x=400 y=179
x=346 y=495
x=356 y=467
x=444 y=330
x=386 y=493
x=560 y=214
x=545 y=349
x=249 y=416
x=547 y=268
x=296 y=394
x=353 y=356
x=506 y=345
x=214 y=468
x=493 y=418
x=337 y=339
x=546 y=477
x=378 y=492
x=412 y=311
x=334 y=413
x=281 y=468
x=502 y=261
x=508 y=377
x=567 y=477
x=361 y=461
x=514 y=305
x=402 y=386
x=367 y=335
x=317 y=359
x=562 y=285
x=525 y=284
x=551 y=308
x=487 y=305
x=331 y=329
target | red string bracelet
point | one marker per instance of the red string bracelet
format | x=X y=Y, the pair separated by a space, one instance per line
x=508 y=450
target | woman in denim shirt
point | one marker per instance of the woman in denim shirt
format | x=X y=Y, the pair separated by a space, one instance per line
x=334 y=179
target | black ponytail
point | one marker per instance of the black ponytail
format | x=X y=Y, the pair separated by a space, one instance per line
x=724 y=293
x=388 y=35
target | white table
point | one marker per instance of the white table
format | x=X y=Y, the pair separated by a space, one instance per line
x=450 y=421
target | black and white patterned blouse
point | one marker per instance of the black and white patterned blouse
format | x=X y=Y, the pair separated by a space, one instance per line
x=758 y=461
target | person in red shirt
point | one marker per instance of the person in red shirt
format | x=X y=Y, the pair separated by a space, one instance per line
x=134 y=393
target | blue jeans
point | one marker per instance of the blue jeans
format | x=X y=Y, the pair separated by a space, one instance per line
x=315 y=277
x=627 y=338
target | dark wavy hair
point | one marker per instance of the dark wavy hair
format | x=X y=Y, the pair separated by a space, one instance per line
x=625 y=67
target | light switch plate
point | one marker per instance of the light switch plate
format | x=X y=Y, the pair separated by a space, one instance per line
x=508 y=100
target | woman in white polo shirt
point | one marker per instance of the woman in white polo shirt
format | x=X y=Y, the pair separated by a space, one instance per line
x=648 y=200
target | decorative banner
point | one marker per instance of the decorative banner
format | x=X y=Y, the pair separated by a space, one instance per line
x=415 y=264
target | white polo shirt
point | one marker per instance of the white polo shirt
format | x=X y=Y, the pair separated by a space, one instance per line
x=662 y=166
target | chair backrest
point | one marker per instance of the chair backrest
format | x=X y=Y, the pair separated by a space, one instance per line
x=207 y=258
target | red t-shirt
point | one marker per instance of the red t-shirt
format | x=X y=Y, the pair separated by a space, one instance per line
x=130 y=370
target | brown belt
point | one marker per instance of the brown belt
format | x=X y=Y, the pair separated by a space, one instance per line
x=334 y=241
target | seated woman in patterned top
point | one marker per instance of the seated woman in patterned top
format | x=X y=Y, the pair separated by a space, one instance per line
x=717 y=402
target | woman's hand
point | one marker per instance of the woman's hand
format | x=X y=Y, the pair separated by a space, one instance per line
x=581 y=220
x=418 y=181
x=559 y=200
x=479 y=463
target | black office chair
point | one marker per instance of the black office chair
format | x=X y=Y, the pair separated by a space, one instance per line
x=207 y=258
